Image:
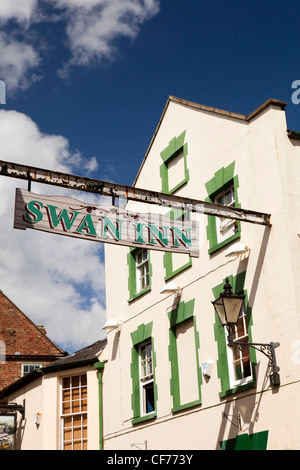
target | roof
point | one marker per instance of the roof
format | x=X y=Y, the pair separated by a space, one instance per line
x=55 y=349
x=87 y=354
x=221 y=112
x=84 y=357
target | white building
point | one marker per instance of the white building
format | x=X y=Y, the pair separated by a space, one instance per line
x=59 y=406
x=167 y=378
x=156 y=393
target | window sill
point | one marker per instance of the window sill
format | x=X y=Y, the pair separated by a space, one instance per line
x=178 y=186
x=139 y=294
x=178 y=271
x=144 y=418
x=221 y=245
x=239 y=388
x=186 y=406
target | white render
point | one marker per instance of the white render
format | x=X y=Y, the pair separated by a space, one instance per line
x=267 y=162
x=43 y=396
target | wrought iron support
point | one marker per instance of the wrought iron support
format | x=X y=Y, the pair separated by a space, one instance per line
x=114 y=190
x=268 y=349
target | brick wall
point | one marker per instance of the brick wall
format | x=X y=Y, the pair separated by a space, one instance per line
x=24 y=342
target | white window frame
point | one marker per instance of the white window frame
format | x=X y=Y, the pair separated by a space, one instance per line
x=145 y=375
x=240 y=335
x=30 y=365
x=71 y=415
x=142 y=270
x=223 y=224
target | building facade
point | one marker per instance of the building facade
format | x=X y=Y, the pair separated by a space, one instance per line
x=59 y=406
x=171 y=381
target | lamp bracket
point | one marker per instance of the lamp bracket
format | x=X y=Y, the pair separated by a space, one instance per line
x=238 y=417
x=268 y=349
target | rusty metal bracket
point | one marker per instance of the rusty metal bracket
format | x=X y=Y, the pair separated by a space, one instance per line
x=114 y=190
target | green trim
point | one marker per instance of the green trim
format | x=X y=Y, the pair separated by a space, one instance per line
x=144 y=418
x=168 y=265
x=256 y=441
x=143 y=333
x=294 y=134
x=99 y=366
x=237 y=283
x=133 y=294
x=176 y=145
x=183 y=312
x=174 y=214
x=223 y=179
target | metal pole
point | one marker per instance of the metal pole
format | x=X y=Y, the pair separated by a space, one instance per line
x=113 y=190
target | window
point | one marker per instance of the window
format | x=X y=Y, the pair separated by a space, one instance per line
x=184 y=357
x=142 y=270
x=146 y=378
x=174 y=172
x=240 y=369
x=236 y=365
x=225 y=227
x=74 y=412
x=175 y=263
x=139 y=267
x=27 y=368
x=144 y=393
x=222 y=189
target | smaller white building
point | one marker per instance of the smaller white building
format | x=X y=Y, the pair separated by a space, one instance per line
x=61 y=403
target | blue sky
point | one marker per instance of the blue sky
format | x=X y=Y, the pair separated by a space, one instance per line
x=86 y=83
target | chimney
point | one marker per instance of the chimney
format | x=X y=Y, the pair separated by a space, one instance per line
x=42 y=329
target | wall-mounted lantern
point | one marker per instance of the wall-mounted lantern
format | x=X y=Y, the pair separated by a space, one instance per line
x=228 y=307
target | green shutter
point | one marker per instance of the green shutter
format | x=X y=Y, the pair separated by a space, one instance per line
x=183 y=312
x=175 y=146
x=237 y=282
x=223 y=179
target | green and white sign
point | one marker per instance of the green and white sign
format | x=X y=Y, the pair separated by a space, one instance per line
x=105 y=223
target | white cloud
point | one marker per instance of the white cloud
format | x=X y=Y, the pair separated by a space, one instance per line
x=92 y=28
x=18 y=63
x=18 y=10
x=57 y=281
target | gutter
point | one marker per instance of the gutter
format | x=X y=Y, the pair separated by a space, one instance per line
x=99 y=366
x=26 y=379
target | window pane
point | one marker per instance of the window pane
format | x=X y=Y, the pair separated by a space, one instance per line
x=75 y=407
x=66 y=395
x=67 y=434
x=68 y=421
x=74 y=401
x=149 y=398
x=66 y=382
x=142 y=270
x=66 y=408
x=77 y=445
x=77 y=420
x=75 y=381
x=75 y=394
x=77 y=433
x=225 y=227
